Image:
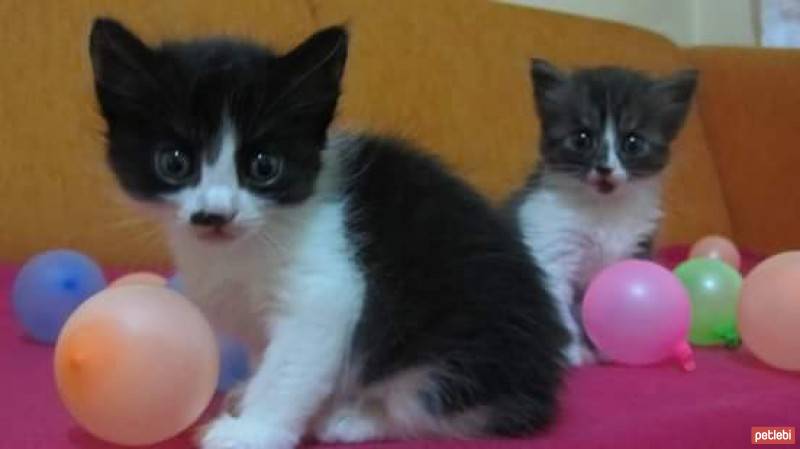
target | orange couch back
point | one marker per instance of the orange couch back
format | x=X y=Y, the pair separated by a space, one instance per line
x=750 y=106
x=450 y=74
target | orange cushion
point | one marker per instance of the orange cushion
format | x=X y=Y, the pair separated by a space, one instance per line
x=453 y=75
x=750 y=104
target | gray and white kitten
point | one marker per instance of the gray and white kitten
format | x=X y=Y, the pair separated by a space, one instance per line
x=594 y=198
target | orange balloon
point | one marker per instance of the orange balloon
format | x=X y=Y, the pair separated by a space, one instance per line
x=139 y=278
x=769 y=311
x=136 y=364
x=717 y=247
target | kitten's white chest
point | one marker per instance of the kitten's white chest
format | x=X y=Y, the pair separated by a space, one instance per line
x=575 y=237
x=232 y=287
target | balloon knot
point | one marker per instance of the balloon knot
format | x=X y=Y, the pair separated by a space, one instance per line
x=685 y=357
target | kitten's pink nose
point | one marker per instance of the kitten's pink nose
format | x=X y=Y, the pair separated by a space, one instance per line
x=210 y=219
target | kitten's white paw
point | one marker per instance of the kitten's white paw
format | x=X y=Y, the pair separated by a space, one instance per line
x=574 y=354
x=227 y=432
x=578 y=354
x=348 y=425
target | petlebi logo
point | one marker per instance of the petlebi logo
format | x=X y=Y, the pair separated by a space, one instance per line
x=772 y=435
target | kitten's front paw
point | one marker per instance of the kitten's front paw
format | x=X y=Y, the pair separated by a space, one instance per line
x=578 y=355
x=574 y=354
x=227 y=432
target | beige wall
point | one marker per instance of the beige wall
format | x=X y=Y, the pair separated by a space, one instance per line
x=687 y=22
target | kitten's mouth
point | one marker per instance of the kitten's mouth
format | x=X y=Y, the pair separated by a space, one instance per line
x=604 y=186
x=216 y=235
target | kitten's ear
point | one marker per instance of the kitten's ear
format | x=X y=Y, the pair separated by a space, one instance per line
x=546 y=75
x=546 y=78
x=321 y=57
x=674 y=97
x=678 y=87
x=122 y=64
x=314 y=72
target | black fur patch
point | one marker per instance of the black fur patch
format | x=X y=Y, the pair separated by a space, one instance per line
x=173 y=96
x=450 y=285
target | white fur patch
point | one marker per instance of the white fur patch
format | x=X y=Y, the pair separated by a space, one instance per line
x=292 y=280
x=218 y=191
x=618 y=172
x=573 y=232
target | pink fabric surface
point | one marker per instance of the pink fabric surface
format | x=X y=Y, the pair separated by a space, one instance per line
x=604 y=406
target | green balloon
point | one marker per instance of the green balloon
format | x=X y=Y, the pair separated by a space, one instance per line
x=713 y=288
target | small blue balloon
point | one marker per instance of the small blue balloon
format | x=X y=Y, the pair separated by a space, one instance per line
x=234 y=365
x=49 y=287
x=175 y=282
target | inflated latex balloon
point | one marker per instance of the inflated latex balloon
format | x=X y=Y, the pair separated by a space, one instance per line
x=716 y=247
x=637 y=313
x=49 y=287
x=136 y=364
x=714 y=288
x=139 y=278
x=769 y=311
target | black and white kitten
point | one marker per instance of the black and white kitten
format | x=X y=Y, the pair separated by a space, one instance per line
x=594 y=198
x=396 y=304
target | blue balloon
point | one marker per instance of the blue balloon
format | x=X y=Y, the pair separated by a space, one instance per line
x=49 y=287
x=234 y=365
x=175 y=282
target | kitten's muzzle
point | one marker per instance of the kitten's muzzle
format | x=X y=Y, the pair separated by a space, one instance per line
x=603 y=180
x=210 y=219
x=213 y=227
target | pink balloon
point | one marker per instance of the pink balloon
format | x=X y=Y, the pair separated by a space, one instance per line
x=769 y=311
x=638 y=313
x=136 y=364
x=139 y=278
x=716 y=247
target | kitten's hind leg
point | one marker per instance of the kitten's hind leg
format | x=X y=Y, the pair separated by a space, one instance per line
x=392 y=408
x=400 y=407
x=354 y=422
x=472 y=401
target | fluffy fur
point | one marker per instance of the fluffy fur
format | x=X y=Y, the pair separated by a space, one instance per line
x=394 y=301
x=594 y=198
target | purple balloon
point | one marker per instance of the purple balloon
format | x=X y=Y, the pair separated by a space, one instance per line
x=175 y=282
x=49 y=287
x=234 y=364
x=638 y=313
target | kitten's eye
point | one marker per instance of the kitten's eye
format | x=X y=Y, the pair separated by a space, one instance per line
x=582 y=140
x=633 y=145
x=173 y=165
x=264 y=170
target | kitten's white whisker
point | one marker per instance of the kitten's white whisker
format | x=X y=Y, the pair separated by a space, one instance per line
x=266 y=238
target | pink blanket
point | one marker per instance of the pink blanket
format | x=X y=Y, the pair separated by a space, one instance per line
x=603 y=406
